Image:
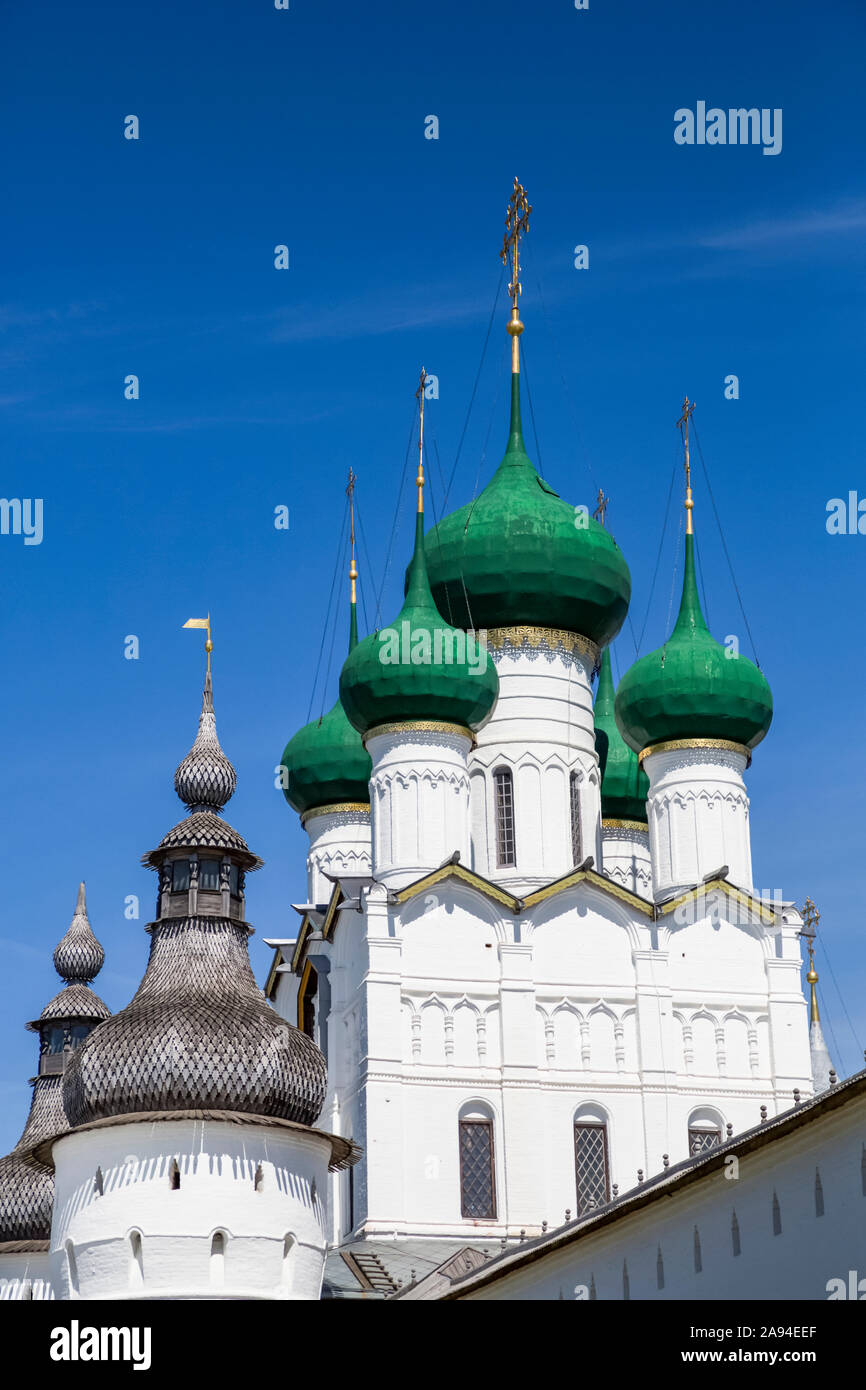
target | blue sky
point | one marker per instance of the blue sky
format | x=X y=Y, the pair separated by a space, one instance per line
x=261 y=387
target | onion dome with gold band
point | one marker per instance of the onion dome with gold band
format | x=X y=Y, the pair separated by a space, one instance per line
x=692 y=687
x=325 y=763
x=419 y=668
x=519 y=554
x=624 y=784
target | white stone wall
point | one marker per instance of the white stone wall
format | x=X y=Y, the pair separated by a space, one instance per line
x=794 y=1210
x=452 y=1001
x=25 y=1275
x=626 y=857
x=698 y=811
x=542 y=729
x=138 y=1238
x=419 y=802
x=339 y=844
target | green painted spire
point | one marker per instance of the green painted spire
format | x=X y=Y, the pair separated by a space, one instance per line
x=624 y=784
x=326 y=764
x=419 y=668
x=520 y=555
x=693 y=687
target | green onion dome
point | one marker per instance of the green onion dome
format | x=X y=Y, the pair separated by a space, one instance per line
x=520 y=555
x=624 y=784
x=692 y=687
x=326 y=764
x=419 y=668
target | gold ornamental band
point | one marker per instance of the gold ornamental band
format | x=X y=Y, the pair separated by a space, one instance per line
x=551 y=637
x=610 y=824
x=420 y=726
x=333 y=808
x=670 y=744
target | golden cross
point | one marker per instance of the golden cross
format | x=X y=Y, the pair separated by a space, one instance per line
x=601 y=506
x=516 y=225
x=683 y=424
x=350 y=493
x=420 y=479
x=811 y=918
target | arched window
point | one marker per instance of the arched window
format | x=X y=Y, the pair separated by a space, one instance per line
x=174 y=1175
x=705 y=1131
x=180 y=876
x=77 y=1033
x=576 y=824
x=218 y=1259
x=259 y=1181
x=503 y=786
x=591 y=1165
x=56 y=1039
x=477 y=1174
x=136 y=1262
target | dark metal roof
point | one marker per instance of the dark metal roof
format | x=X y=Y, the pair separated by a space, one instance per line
x=79 y=956
x=206 y=778
x=199 y=1033
x=76 y=1001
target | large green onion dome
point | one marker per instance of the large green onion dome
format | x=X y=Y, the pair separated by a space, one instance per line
x=420 y=668
x=624 y=784
x=326 y=764
x=520 y=555
x=691 y=687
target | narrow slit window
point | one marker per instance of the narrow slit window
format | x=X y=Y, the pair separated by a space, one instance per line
x=174 y=1176
x=259 y=1178
x=477 y=1187
x=506 y=850
x=591 y=1166
x=576 y=824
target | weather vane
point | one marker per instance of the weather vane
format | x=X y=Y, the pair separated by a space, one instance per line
x=516 y=225
x=811 y=917
x=683 y=425
x=205 y=623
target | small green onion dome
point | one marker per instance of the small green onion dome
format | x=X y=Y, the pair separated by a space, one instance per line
x=326 y=763
x=691 y=687
x=520 y=555
x=624 y=784
x=419 y=668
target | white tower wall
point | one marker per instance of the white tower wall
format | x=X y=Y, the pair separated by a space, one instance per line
x=626 y=855
x=246 y=1221
x=25 y=1274
x=339 y=845
x=419 y=795
x=698 y=812
x=542 y=730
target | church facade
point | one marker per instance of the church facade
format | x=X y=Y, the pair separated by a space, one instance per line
x=532 y=971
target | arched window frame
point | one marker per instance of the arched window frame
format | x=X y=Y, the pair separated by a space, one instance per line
x=591 y=1137
x=503 y=809
x=476 y=1144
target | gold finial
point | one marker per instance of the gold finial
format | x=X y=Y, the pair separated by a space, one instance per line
x=601 y=506
x=811 y=918
x=350 y=493
x=516 y=224
x=420 y=479
x=205 y=623
x=683 y=424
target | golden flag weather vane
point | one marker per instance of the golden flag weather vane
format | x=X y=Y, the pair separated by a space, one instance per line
x=350 y=493
x=205 y=623
x=516 y=226
x=420 y=394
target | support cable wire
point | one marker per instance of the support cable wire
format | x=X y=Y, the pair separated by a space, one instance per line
x=532 y=411
x=842 y=1002
x=474 y=389
x=571 y=406
x=724 y=544
x=396 y=518
x=337 y=561
x=658 y=556
x=362 y=585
